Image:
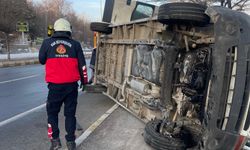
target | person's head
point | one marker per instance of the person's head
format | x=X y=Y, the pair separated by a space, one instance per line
x=62 y=25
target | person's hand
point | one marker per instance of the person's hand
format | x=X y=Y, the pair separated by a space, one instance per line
x=85 y=75
x=82 y=87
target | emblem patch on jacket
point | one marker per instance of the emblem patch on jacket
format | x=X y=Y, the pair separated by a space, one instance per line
x=61 y=49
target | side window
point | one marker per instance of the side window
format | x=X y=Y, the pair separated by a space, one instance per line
x=142 y=11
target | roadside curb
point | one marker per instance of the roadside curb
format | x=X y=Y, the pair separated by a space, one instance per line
x=96 y=124
x=18 y=63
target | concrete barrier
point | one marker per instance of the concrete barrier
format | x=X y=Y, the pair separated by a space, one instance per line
x=30 y=61
x=13 y=63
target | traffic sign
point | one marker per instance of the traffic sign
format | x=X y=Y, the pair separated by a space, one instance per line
x=22 y=26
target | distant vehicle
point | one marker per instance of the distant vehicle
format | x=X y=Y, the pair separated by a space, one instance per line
x=183 y=68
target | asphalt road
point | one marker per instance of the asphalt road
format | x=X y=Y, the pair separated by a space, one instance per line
x=22 y=89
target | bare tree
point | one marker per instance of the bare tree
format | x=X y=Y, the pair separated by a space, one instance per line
x=11 y=12
x=239 y=5
x=39 y=16
x=49 y=11
x=235 y=4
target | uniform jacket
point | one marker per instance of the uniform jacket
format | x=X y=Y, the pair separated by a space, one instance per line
x=63 y=58
x=92 y=60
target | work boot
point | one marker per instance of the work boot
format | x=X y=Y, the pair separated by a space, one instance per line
x=55 y=144
x=71 y=145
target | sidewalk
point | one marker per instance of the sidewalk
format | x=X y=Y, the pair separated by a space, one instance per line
x=120 y=131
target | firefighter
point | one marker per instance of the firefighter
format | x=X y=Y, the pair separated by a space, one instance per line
x=64 y=66
x=92 y=65
x=93 y=58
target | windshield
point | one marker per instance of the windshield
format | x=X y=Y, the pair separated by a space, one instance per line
x=142 y=11
x=156 y=2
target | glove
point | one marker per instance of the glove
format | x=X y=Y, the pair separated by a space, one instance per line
x=82 y=86
x=85 y=75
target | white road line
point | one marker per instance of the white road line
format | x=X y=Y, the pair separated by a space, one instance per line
x=8 y=81
x=98 y=122
x=21 y=115
x=80 y=139
x=12 y=119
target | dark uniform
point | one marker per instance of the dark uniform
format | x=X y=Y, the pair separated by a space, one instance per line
x=92 y=60
x=64 y=66
x=92 y=65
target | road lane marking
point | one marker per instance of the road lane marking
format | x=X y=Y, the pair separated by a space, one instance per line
x=80 y=139
x=8 y=81
x=12 y=119
x=97 y=123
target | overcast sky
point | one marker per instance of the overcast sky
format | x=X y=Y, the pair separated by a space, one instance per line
x=91 y=9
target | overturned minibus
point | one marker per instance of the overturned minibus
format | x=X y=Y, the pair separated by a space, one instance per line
x=182 y=68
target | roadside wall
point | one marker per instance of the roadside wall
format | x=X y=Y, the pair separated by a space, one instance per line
x=18 y=63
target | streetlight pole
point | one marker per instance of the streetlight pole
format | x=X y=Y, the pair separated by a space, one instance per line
x=46 y=18
x=7 y=44
x=46 y=23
